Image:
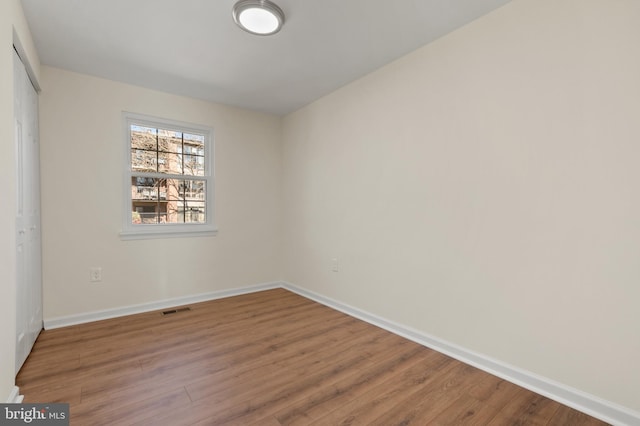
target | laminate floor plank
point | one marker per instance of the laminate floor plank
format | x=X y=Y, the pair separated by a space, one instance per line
x=280 y=386
x=568 y=416
x=386 y=397
x=269 y=358
x=527 y=408
x=328 y=398
x=256 y=372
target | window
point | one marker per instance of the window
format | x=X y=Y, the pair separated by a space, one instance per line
x=168 y=179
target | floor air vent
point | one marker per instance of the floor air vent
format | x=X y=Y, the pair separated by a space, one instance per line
x=175 y=311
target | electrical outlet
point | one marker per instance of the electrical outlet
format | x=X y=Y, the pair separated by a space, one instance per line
x=334 y=264
x=95 y=275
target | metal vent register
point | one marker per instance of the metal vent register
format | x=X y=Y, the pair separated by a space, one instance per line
x=175 y=311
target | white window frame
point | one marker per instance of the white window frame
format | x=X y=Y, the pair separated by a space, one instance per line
x=132 y=231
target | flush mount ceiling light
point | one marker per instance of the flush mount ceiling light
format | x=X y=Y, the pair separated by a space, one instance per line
x=261 y=17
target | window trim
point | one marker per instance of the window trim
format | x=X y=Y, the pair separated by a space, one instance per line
x=168 y=230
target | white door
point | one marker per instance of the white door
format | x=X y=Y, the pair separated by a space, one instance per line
x=28 y=242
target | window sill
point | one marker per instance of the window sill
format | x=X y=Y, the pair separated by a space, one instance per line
x=168 y=232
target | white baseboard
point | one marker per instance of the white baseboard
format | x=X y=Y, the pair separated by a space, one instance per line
x=51 y=323
x=14 y=396
x=589 y=404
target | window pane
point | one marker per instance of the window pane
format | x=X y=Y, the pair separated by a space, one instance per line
x=194 y=212
x=196 y=142
x=169 y=141
x=185 y=212
x=144 y=188
x=169 y=163
x=174 y=211
x=145 y=212
x=194 y=190
x=143 y=137
x=193 y=165
x=174 y=189
x=143 y=161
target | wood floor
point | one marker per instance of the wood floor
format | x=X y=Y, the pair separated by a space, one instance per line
x=268 y=358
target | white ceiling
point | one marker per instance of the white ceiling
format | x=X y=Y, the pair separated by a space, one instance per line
x=193 y=48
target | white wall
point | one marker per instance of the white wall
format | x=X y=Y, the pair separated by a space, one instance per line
x=82 y=170
x=484 y=190
x=12 y=23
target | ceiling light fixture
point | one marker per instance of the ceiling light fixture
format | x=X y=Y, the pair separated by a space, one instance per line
x=260 y=17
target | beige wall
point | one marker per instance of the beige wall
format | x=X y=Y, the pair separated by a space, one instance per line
x=484 y=190
x=11 y=22
x=82 y=151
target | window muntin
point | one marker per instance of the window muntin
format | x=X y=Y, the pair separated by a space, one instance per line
x=169 y=178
